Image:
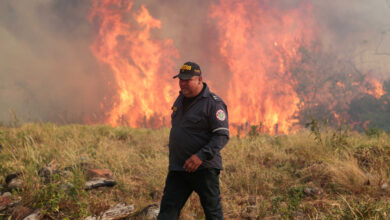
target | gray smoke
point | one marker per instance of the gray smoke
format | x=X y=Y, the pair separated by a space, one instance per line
x=359 y=30
x=47 y=72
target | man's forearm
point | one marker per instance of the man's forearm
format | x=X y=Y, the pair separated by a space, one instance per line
x=216 y=143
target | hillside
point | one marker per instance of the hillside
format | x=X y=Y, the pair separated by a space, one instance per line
x=316 y=174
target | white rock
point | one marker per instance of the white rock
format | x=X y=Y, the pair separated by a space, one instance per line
x=99 y=182
x=116 y=212
x=34 y=215
x=310 y=191
x=150 y=212
x=7 y=194
x=385 y=186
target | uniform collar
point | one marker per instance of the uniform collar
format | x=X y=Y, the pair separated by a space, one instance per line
x=206 y=91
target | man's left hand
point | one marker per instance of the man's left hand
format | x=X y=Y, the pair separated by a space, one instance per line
x=192 y=163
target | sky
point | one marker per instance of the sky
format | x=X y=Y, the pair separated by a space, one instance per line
x=48 y=72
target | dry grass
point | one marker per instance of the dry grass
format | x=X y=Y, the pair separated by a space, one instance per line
x=267 y=173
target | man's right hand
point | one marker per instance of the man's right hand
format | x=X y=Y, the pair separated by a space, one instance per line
x=192 y=163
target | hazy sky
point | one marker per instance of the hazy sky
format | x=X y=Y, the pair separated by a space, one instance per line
x=47 y=71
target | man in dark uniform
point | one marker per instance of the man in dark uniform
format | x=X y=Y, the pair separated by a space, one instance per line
x=200 y=129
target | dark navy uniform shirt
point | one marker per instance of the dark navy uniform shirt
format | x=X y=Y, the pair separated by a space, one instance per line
x=201 y=129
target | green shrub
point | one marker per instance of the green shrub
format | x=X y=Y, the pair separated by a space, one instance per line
x=374 y=132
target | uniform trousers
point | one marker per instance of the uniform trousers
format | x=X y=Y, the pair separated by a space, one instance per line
x=179 y=186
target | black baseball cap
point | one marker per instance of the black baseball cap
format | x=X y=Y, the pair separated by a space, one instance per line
x=188 y=70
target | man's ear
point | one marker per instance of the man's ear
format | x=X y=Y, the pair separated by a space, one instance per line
x=200 y=79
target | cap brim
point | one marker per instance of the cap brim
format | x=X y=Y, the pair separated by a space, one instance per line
x=184 y=76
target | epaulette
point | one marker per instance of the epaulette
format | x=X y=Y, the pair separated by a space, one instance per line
x=215 y=97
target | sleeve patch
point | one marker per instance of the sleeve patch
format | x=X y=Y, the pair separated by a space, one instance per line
x=221 y=115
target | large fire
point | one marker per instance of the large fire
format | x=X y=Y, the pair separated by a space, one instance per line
x=259 y=42
x=142 y=66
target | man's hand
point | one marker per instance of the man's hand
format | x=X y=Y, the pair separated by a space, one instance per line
x=192 y=163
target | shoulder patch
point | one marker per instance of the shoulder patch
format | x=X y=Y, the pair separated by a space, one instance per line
x=220 y=115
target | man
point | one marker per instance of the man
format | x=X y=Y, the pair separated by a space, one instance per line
x=199 y=131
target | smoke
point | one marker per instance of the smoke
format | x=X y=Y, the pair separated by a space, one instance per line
x=358 y=30
x=48 y=73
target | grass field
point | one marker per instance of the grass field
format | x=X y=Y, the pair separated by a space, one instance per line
x=313 y=174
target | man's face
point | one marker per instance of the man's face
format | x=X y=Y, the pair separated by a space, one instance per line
x=191 y=87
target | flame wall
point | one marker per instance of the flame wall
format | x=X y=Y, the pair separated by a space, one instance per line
x=258 y=41
x=142 y=66
x=103 y=61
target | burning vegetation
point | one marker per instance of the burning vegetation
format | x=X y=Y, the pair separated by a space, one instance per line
x=142 y=66
x=278 y=74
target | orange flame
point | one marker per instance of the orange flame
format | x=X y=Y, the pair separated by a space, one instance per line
x=142 y=66
x=257 y=44
x=259 y=41
x=377 y=88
